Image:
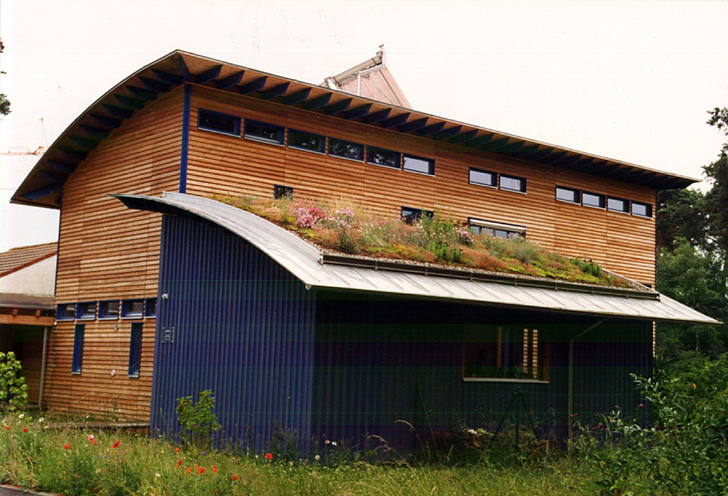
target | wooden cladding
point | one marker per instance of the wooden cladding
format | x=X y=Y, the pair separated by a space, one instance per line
x=236 y=166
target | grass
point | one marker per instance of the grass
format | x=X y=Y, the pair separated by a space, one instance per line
x=78 y=462
x=345 y=228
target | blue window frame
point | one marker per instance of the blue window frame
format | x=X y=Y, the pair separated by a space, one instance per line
x=218 y=122
x=483 y=178
x=150 y=307
x=380 y=156
x=109 y=309
x=78 y=335
x=135 y=349
x=306 y=141
x=262 y=131
x=346 y=149
x=66 y=311
x=86 y=310
x=421 y=165
x=132 y=308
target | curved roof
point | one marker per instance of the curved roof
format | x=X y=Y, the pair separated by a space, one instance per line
x=43 y=185
x=308 y=264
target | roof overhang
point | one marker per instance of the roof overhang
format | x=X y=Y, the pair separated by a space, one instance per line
x=307 y=263
x=43 y=185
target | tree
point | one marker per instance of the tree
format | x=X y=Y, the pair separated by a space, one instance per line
x=717 y=197
x=4 y=102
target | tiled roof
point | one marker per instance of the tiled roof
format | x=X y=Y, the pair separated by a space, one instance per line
x=24 y=256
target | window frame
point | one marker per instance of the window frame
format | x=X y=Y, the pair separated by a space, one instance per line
x=236 y=125
x=523 y=188
x=82 y=310
x=371 y=149
x=127 y=313
x=532 y=349
x=135 y=349
x=150 y=307
x=79 y=331
x=648 y=209
x=333 y=141
x=576 y=192
x=66 y=311
x=321 y=148
x=496 y=226
x=602 y=203
x=280 y=191
x=104 y=311
x=625 y=205
x=415 y=215
x=494 y=176
x=279 y=130
x=429 y=161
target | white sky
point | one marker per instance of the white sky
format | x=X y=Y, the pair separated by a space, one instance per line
x=627 y=80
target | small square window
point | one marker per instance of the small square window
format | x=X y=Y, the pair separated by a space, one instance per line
x=262 y=131
x=482 y=177
x=66 y=311
x=592 y=200
x=132 y=308
x=346 y=149
x=86 y=310
x=417 y=164
x=641 y=209
x=150 y=307
x=380 y=156
x=78 y=337
x=617 y=205
x=504 y=353
x=568 y=195
x=217 y=122
x=109 y=309
x=306 y=141
x=282 y=192
x=412 y=215
x=512 y=183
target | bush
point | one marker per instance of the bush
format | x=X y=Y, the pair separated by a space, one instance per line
x=198 y=420
x=13 y=390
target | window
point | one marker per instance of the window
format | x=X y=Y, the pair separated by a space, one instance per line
x=617 y=205
x=346 y=149
x=505 y=353
x=412 y=215
x=86 y=310
x=592 y=200
x=512 y=183
x=150 y=307
x=263 y=132
x=282 y=192
x=135 y=349
x=77 y=348
x=496 y=229
x=482 y=178
x=380 y=156
x=109 y=309
x=568 y=194
x=132 y=308
x=417 y=164
x=217 y=122
x=641 y=209
x=306 y=141
x=66 y=311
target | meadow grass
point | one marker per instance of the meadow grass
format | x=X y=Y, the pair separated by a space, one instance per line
x=77 y=462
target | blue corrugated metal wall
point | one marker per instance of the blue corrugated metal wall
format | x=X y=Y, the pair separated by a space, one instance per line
x=234 y=322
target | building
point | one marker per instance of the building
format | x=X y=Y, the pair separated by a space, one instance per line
x=154 y=307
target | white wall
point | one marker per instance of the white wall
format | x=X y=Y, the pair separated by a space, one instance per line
x=38 y=279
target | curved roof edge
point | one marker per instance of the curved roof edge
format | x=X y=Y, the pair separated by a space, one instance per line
x=304 y=261
x=43 y=185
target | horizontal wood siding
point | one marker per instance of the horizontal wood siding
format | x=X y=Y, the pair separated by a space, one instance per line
x=107 y=251
x=234 y=165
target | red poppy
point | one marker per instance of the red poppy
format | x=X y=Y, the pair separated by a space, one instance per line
x=201 y=470
x=67 y=446
x=179 y=463
x=188 y=470
x=6 y=427
x=25 y=429
x=116 y=444
x=235 y=477
x=269 y=456
x=176 y=450
x=214 y=469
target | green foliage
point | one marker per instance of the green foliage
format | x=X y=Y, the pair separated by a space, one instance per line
x=13 y=390
x=198 y=420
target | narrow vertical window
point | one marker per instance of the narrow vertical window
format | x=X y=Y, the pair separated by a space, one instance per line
x=135 y=349
x=78 y=348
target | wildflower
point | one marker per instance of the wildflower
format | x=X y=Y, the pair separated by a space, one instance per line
x=269 y=456
x=67 y=446
x=21 y=416
x=333 y=443
x=188 y=470
x=6 y=427
x=235 y=477
x=25 y=429
x=157 y=474
x=317 y=458
x=176 y=450
x=41 y=420
x=116 y=444
x=201 y=470
x=214 y=469
x=179 y=463
x=640 y=406
x=91 y=439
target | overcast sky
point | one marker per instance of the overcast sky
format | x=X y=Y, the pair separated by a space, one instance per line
x=627 y=80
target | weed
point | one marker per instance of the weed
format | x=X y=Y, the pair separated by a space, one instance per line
x=198 y=420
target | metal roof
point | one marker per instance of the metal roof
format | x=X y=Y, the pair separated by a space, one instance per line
x=43 y=185
x=306 y=262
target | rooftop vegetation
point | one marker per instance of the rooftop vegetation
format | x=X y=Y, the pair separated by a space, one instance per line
x=350 y=229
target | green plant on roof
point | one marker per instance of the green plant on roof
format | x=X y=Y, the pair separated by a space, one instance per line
x=342 y=227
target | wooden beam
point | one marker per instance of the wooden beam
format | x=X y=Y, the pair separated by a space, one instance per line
x=85 y=144
x=317 y=102
x=41 y=192
x=464 y=137
x=394 y=121
x=53 y=177
x=95 y=132
x=26 y=320
x=62 y=166
x=130 y=102
x=184 y=70
x=376 y=116
x=107 y=122
x=413 y=125
x=296 y=97
x=167 y=77
x=337 y=107
x=72 y=154
x=448 y=133
x=358 y=111
x=231 y=80
x=149 y=96
x=431 y=129
x=208 y=75
x=154 y=85
x=252 y=86
x=115 y=111
x=276 y=91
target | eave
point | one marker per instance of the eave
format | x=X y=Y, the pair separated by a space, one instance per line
x=44 y=184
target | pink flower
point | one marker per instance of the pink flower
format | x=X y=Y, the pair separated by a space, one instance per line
x=91 y=439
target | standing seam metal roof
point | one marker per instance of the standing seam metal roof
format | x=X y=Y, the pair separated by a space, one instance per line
x=304 y=261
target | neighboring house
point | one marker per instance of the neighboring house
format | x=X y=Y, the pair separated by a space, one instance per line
x=27 y=308
x=154 y=307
